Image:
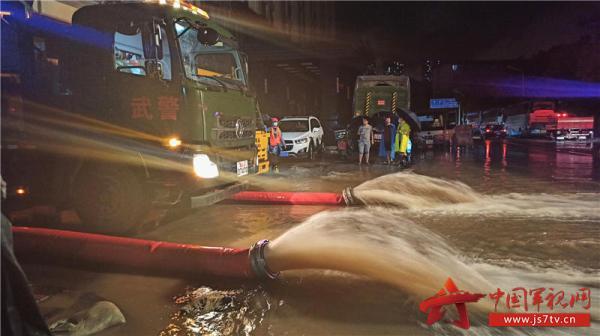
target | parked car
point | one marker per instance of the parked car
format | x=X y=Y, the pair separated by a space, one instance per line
x=494 y=131
x=477 y=133
x=302 y=136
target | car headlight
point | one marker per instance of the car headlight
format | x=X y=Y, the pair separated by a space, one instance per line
x=204 y=167
x=301 y=141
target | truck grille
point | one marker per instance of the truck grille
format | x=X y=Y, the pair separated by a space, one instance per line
x=289 y=144
x=232 y=135
x=233 y=128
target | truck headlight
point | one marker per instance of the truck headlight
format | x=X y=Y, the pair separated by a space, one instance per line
x=174 y=142
x=301 y=141
x=204 y=167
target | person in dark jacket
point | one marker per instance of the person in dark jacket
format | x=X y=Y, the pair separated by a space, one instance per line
x=388 y=140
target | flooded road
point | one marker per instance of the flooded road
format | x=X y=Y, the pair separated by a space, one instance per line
x=501 y=215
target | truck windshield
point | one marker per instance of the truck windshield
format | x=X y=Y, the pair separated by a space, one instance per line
x=372 y=83
x=431 y=122
x=438 y=121
x=218 y=64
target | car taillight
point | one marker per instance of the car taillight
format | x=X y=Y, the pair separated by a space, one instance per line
x=15 y=106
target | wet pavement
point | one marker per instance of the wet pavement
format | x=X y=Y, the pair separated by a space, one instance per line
x=535 y=223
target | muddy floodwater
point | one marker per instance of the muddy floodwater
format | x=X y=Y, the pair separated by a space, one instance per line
x=501 y=215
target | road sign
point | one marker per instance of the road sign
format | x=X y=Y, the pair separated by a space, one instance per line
x=441 y=103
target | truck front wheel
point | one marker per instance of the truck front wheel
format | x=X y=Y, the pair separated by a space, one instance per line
x=109 y=199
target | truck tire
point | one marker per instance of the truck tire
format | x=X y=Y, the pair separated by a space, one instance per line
x=109 y=199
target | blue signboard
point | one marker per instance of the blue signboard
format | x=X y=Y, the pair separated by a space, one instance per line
x=441 y=103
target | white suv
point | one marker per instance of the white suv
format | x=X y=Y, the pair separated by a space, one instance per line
x=301 y=136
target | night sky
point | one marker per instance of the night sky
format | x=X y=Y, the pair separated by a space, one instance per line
x=465 y=31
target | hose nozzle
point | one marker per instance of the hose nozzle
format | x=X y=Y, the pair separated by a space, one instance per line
x=349 y=198
x=258 y=261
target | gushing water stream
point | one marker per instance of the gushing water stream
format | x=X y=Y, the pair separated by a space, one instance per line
x=377 y=243
x=390 y=240
x=413 y=191
x=380 y=240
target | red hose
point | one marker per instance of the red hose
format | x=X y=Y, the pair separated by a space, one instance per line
x=293 y=198
x=108 y=253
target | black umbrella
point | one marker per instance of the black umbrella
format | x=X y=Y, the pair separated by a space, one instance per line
x=410 y=117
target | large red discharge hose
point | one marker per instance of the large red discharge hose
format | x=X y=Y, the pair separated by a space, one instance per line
x=292 y=198
x=130 y=255
x=108 y=253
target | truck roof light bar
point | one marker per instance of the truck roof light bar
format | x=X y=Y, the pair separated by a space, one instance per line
x=184 y=5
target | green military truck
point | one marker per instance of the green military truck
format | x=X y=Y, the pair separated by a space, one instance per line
x=377 y=97
x=131 y=109
x=373 y=94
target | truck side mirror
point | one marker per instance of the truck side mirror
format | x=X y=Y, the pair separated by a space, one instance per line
x=208 y=36
x=154 y=69
x=148 y=42
x=158 y=41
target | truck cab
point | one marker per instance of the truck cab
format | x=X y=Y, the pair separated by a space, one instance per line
x=144 y=106
x=437 y=128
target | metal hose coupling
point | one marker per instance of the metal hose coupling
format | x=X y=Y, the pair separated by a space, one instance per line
x=258 y=261
x=349 y=198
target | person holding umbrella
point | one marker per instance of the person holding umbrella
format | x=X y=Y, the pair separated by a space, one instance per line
x=388 y=141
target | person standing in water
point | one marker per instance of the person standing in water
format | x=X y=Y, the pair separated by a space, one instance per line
x=365 y=140
x=274 y=144
x=402 y=138
x=387 y=144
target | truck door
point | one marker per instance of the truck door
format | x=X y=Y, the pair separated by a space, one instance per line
x=146 y=96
